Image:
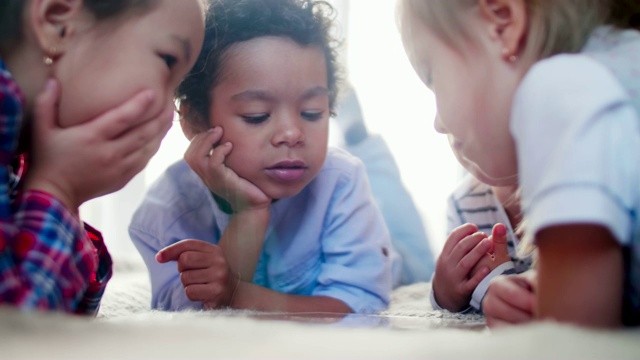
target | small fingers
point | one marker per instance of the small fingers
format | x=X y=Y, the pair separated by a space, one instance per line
x=207 y=158
x=220 y=153
x=475 y=280
x=46 y=105
x=518 y=292
x=127 y=116
x=502 y=313
x=190 y=260
x=201 y=144
x=174 y=251
x=507 y=301
x=457 y=235
x=202 y=276
x=140 y=137
x=499 y=233
x=470 y=250
x=205 y=292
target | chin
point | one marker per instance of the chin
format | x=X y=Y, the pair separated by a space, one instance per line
x=493 y=180
x=283 y=193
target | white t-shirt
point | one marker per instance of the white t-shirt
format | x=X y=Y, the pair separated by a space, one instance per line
x=578 y=144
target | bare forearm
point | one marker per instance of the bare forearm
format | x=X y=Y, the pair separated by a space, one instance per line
x=243 y=239
x=254 y=297
x=580 y=276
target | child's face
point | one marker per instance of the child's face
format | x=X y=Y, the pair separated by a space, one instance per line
x=273 y=104
x=473 y=91
x=101 y=67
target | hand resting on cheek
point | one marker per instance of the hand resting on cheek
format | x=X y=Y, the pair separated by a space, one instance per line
x=88 y=160
x=207 y=158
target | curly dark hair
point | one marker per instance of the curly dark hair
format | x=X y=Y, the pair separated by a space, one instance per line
x=625 y=14
x=11 y=12
x=228 y=22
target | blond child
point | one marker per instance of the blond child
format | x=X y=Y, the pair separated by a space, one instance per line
x=553 y=80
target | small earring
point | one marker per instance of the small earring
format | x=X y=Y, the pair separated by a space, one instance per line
x=48 y=59
x=512 y=58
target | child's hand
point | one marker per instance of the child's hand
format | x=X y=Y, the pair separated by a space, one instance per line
x=94 y=158
x=498 y=254
x=206 y=157
x=204 y=272
x=453 y=282
x=510 y=299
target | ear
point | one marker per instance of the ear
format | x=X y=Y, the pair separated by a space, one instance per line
x=54 y=22
x=507 y=24
x=188 y=128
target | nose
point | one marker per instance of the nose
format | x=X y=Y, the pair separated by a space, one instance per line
x=289 y=132
x=437 y=124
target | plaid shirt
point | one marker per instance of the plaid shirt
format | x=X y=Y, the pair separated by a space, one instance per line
x=47 y=259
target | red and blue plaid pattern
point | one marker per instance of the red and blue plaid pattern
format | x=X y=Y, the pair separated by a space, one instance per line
x=47 y=259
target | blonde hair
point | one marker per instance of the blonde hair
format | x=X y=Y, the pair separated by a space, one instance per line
x=554 y=26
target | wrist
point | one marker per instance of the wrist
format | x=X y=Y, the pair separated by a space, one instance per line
x=262 y=214
x=237 y=207
x=234 y=285
x=447 y=302
x=481 y=290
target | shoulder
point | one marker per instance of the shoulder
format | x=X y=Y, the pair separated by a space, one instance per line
x=577 y=75
x=562 y=89
x=340 y=167
x=340 y=160
x=176 y=192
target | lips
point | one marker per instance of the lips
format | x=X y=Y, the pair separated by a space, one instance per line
x=287 y=171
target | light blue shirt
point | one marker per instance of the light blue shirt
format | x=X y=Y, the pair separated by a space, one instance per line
x=329 y=240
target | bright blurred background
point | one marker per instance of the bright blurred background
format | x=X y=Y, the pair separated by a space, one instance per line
x=394 y=102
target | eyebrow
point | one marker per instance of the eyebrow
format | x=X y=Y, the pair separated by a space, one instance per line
x=265 y=96
x=186 y=46
x=315 y=91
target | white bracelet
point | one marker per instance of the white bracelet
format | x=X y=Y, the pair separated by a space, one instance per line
x=481 y=290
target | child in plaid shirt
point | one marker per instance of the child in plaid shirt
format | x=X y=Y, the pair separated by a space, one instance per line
x=118 y=77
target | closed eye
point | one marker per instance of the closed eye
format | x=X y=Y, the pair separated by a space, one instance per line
x=311 y=115
x=169 y=60
x=255 y=119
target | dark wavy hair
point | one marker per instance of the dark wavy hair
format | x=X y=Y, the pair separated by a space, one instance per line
x=625 y=14
x=228 y=22
x=11 y=13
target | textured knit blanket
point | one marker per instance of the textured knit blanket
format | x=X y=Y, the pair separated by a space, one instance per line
x=126 y=329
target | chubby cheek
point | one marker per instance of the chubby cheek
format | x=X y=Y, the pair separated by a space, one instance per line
x=244 y=159
x=78 y=105
x=85 y=97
